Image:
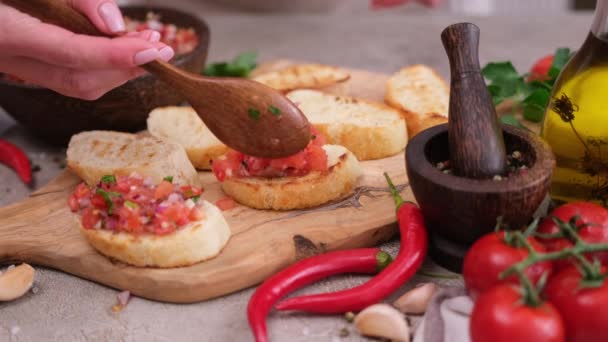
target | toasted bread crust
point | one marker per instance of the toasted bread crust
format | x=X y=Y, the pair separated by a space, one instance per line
x=94 y=154
x=196 y=242
x=368 y=129
x=303 y=76
x=422 y=95
x=183 y=126
x=308 y=191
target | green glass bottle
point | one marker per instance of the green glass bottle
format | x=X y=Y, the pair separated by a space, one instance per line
x=576 y=120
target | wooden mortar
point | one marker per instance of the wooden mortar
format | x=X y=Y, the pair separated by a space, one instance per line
x=461 y=206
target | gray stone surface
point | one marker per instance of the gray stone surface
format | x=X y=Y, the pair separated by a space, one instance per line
x=66 y=308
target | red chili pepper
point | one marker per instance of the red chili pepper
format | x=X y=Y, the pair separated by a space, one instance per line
x=14 y=157
x=363 y=260
x=410 y=258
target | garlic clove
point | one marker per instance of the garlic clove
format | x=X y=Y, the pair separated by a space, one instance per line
x=16 y=281
x=382 y=320
x=416 y=300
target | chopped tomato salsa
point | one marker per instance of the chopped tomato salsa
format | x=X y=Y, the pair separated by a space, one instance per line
x=237 y=164
x=182 y=40
x=134 y=205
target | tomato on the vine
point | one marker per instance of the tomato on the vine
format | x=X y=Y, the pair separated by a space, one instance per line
x=593 y=223
x=582 y=308
x=490 y=256
x=500 y=315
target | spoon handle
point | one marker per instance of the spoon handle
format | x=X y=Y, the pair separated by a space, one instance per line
x=477 y=148
x=59 y=13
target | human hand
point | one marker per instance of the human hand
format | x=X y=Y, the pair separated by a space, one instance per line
x=72 y=64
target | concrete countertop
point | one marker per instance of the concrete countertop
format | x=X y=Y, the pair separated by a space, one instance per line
x=66 y=308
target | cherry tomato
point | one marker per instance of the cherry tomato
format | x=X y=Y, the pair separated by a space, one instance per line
x=594 y=228
x=490 y=256
x=500 y=315
x=540 y=69
x=583 y=308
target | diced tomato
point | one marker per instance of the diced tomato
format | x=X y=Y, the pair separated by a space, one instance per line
x=129 y=219
x=90 y=217
x=81 y=191
x=297 y=161
x=163 y=190
x=98 y=201
x=317 y=158
x=177 y=213
x=164 y=227
x=196 y=214
x=225 y=203
x=229 y=163
x=254 y=165
x=190 y=191
x=73 y=203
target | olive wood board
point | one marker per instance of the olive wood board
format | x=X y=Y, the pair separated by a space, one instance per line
x=41 y=230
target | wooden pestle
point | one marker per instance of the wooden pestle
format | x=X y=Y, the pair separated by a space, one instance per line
x=476 y=144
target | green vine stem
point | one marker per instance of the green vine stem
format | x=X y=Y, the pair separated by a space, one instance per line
x=592 y=275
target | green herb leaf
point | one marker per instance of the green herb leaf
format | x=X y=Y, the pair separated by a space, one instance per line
x=535 y=104
x=499 y=70
x=511 y=120
x=195 y=198
x=108 y=179
x=131 y=205
x=241 y=66
x=168 y=179
x=107 y=196
x=560 y=58
x=254 y=114
x=274 y=110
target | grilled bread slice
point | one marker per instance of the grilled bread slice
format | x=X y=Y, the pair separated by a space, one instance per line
x=195 y=242
x=93 y=154
x=288 y=193
x=421 y=94
x=183 y=126
x=369 y=130
x=303 y=76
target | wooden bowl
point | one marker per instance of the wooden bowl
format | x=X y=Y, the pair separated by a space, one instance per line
x=458 y=210
x=55 y=117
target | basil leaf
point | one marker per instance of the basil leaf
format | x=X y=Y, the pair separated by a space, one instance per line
x=195 y=198
x=512 y=121
x=560 y=58
x=241 y=66
x=535 y=104
x=254 y=114
x=108 y=179
x=131 y=205
x=504 y=70
x=107 y=196
x=246 y=59
x=168 y=179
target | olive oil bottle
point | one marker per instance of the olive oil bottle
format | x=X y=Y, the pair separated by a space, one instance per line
x=576 y=119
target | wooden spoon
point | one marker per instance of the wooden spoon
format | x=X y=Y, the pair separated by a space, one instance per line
x=245 y=115
x=16 y=281
x=477 y=148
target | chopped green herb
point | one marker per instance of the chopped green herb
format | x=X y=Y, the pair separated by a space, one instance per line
x=241 y=66
x=531 y=97
x=196 y=198
x=254 y=114
x=107 y=196
x=108 y=179
x=131 y=205
x=168 y=179
x=274 y=110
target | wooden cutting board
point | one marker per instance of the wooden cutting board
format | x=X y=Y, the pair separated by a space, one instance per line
x=41 y=230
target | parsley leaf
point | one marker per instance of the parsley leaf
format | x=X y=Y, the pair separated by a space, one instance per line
x=274 y=110
x=254 y=114
x=240 y=66
x=108 y=179
x=168 y=179
x=107 y=197
x=504 y=82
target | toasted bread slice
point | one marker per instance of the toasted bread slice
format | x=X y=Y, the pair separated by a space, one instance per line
x=308 y=191
x=303 y=76
x=421 y=94
x=94 y=154
x=195 y=242
x=369 y=130
x=183 y=126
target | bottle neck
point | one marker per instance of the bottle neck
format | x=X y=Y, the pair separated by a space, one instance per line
x=600 y=21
